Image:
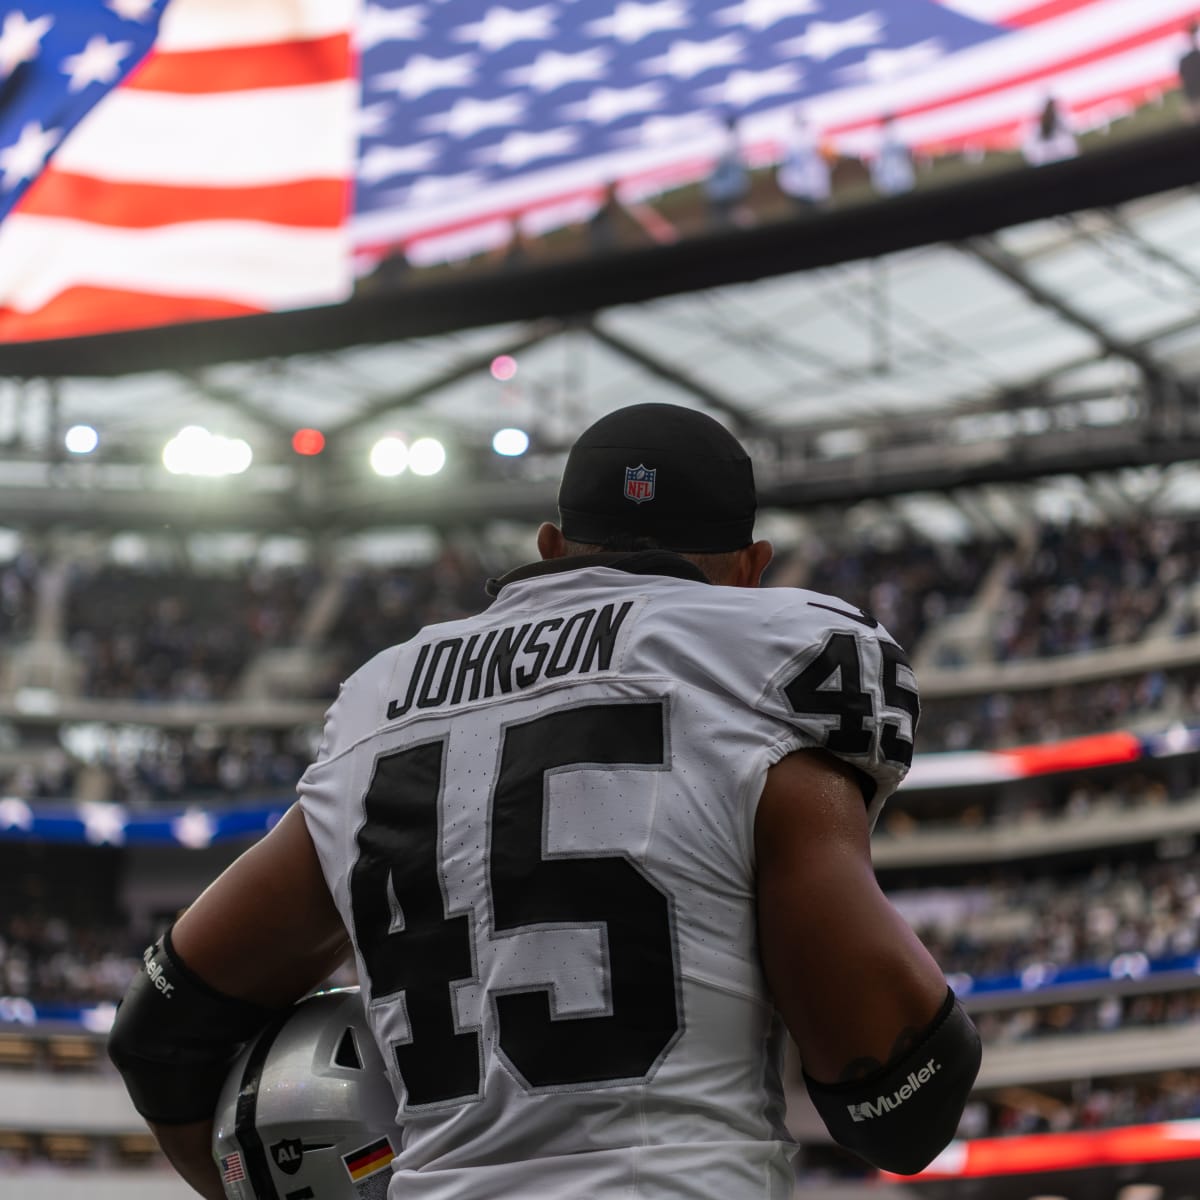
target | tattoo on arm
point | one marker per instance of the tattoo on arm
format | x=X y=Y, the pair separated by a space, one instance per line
x=860 y=1068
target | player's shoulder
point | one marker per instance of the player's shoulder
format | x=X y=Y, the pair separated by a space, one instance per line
x=770 y=617
x=362 y=696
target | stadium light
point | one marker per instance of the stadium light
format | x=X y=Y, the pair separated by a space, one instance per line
x=427 y=456
x=511 y=443
x=308 y=442
x=194 y=450
x=503 y=367
x=389 y=456
x=81 y=439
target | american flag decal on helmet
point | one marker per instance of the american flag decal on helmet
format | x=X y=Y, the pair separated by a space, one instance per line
x=232 y=1170
x=639 y=483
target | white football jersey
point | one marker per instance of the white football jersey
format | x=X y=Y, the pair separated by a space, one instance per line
x=538 y=825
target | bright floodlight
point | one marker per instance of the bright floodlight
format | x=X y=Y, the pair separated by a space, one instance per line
x=503 y=367
x=389 y=456
x=234 y=456
x=427 y=456
x=81 y=439
x=196 y=451
x=512 y=443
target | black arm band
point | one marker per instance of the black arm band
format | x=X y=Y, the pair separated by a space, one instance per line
x=174 y=1038
x=900 y=1117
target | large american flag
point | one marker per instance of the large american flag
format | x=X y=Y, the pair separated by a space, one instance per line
x=169 y=160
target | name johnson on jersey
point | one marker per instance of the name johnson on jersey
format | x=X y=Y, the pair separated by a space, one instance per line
x=511 y=658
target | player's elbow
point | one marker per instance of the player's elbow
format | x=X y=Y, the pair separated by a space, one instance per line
x=901 y=1117
x=913 y=1154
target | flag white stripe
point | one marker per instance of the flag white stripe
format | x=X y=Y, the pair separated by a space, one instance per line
x=251 y=263
x=990 y=12
x=1023 y=103
x=212 y=24
x=1039 y=48
x=229 y=139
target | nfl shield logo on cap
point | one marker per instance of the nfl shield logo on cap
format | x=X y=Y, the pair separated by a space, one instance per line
x=639 y=483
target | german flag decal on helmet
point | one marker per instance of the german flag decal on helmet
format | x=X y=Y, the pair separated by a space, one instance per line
x=368 y=1160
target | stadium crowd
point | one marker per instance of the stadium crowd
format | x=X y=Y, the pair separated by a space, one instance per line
x=1050 y=799
x=1009 y=919
x=203 y=765
x=1091 y=1104
x=152 y=632
x=1001 y=923
x=49 y=960
x=909 y=586
x=1101 y=1015
x=1087 y=587
x=999 y=719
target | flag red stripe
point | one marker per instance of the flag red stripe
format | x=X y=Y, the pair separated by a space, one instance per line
x=308 y=203
x=367 y=1154
x=380 y=1155
x=79 y=311
x=1045 y=11
x=1004 y=135
x=1132 y=42
x=245 y=68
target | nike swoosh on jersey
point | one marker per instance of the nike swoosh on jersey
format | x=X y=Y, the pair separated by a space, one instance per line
x=863 y=618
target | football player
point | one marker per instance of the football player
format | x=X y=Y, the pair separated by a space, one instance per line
x=594 y=851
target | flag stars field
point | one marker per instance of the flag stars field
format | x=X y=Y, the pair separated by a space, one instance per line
x=131 y=10
x=21 y=40
x=27 y=156
x=422 y=74
x=632 y=22
x=502 y=27
x=98 y=62
x=551 y=70
x=762 y=14
x=380 y=25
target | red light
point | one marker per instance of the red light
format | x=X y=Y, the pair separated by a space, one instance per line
x=308 y=441
x=504 y=367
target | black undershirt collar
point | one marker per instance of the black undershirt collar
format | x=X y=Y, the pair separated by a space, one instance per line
x=637 y=562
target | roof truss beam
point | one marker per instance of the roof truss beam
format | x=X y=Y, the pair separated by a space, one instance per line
x=655 y=366
x=1002 y=262
x=473 y=364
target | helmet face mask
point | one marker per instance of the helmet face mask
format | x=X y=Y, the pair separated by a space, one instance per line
x=307 y=1110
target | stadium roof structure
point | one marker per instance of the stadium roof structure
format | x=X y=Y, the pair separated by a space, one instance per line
x=1064 y=344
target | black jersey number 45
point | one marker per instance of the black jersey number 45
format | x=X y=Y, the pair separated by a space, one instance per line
x=412 y=943
x=832 y=686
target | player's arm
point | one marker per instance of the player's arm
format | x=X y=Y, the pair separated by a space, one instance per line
x=260 y=937
x=866 y=1004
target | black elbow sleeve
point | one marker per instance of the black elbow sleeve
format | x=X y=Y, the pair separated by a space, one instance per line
x=174 y=1038
x=900 y=1117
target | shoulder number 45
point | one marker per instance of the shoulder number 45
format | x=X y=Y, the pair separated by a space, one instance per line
x=831 y=686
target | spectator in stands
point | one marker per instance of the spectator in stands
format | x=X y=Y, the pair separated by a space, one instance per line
x=18 y=585
x=612 y=224
x=1051 y=139
x=892 y=170
x=804 y=175
x=1189 y=73
x=729 y=184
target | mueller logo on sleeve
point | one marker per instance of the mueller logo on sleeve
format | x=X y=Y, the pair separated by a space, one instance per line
x=156 y=972
x=869 y=1109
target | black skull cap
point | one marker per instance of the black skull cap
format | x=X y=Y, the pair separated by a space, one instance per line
x=661 y=472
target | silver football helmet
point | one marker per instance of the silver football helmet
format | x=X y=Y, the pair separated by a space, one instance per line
x=307 y=1112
